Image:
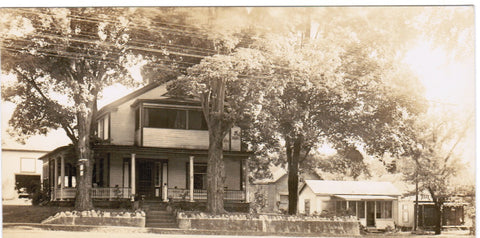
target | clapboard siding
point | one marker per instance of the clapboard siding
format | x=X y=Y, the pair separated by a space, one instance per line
x=185 y=139
x=122 y=128
x=173 y=138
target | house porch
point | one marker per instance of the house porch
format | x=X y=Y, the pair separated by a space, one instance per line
x=129 y=172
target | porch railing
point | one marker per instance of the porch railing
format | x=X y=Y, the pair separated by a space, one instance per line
x=124 y=193
x=201 y=194
x=97 y=193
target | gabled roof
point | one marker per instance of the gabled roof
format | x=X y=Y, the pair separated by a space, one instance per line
x=168 y=100
x=328 y=187
x=126 y=98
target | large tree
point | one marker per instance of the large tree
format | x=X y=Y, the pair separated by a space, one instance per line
x=337 y=94
x=437 y=158
x=63 y=60
x=223 y=85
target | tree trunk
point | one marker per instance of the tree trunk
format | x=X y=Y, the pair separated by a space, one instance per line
x=438 y=220
x=293 y=157
x=213 y=108
x=216 y=171
x=83 y=199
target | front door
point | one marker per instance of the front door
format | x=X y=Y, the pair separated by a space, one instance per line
x=370 y=213
x=145 y=186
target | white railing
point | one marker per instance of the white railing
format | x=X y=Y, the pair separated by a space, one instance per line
x=201 y=194
x=124 y=193
x=97 y=193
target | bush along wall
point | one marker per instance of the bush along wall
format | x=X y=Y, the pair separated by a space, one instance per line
x=98 y=218
x=335 y=226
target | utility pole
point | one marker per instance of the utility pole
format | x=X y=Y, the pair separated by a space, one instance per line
x=415 y=218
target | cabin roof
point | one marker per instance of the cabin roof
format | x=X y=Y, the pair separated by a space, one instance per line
x=329 y=187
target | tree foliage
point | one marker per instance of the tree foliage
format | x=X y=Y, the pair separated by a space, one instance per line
x=219 y=82
x=436 y=157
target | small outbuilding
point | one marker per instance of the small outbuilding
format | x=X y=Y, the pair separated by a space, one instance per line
x=374 y=203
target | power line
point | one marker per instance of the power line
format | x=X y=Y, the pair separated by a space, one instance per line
x=136 y=26
x=91 y=36
x=77 y=56
x=98 y=51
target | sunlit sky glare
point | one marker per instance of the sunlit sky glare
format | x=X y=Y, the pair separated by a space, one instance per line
x=446 y=81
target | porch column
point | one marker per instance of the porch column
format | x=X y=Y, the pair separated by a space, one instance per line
x=55 y=180
x=133 y=173
x=62 y=176
x=191 y=177
x=245 y=180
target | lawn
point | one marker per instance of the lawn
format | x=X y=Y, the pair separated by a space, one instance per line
x=29 y=214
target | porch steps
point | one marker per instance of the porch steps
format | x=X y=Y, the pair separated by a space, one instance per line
x=157 y=216
x=161 y=219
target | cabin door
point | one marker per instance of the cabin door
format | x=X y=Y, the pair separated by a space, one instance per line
x=370 y=213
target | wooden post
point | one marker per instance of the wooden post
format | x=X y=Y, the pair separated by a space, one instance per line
x=191 y=177
x=55 y=169
x=62 y=176
x=133 y=175
x=246 y=183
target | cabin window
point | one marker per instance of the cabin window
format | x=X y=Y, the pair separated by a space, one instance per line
x=384 y=209
x=307 y=206
x=361 y=209
x=341 y=207
x=352 y=208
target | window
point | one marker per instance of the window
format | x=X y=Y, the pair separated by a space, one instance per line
x=383 y=209
x=361 y=209
x=103 y=128
x=307 y=206
x=340 y=207
x=100 y=174
x=174 y=119
x=137 y=118
x=165 y=118
x=100 y=126
x=199 y=176
x=27 y=165
x=352 y=208
x=196 y=121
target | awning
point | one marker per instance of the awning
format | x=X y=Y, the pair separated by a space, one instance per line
x=364 y=197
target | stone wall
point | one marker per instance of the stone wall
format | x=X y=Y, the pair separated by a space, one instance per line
x=272 y=224
x=96 y=218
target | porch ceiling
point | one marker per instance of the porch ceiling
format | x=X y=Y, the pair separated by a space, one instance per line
x=157 y=150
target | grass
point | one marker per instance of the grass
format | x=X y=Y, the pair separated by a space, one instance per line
x=29 y=214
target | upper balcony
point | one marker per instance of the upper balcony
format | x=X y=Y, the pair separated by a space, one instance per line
x=169 y=124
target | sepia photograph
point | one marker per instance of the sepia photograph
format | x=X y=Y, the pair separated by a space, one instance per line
x=245 y=121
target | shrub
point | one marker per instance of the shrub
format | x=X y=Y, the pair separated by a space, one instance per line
x=40 y=197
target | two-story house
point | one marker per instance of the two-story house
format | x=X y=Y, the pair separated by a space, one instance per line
x=152 y=146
